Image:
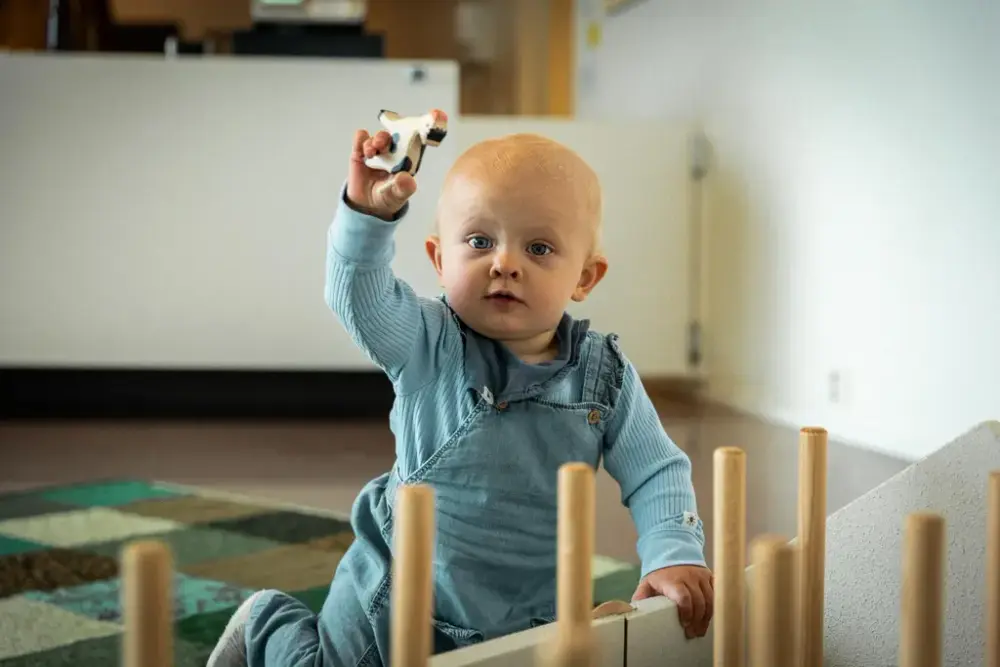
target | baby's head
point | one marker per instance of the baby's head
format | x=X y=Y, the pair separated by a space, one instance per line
x=518 y=234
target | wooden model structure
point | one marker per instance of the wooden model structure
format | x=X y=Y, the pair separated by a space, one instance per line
x=768 y=615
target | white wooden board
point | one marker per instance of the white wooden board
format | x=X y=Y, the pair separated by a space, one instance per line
x=522 y=649
x=655 y=638
x=649 y=636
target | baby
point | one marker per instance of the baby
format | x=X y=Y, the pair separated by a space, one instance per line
x=496 y=387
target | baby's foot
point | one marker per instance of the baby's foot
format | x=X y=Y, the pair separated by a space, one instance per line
x=231 y=651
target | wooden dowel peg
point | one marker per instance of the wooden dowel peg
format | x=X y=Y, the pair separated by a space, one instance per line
x=922 y=603
x=574 y=644
x=412 y=594
x=811 y=552
x=772 y=603
x=729 y=537
x=148 y=605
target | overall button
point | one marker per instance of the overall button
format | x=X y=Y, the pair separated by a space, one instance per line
x=593 y=417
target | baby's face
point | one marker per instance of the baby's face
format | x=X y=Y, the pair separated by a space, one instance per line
x=513 y=249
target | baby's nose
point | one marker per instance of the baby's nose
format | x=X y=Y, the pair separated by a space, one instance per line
x=504 y=266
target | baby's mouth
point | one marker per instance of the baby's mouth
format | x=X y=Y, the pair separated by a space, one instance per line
x=503 y=296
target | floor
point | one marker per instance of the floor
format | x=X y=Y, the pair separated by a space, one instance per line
x=325 y=464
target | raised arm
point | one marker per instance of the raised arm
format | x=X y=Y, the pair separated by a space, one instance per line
x=401 y=333
x=405 y=335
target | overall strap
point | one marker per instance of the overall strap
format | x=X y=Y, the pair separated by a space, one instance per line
x=604 y=369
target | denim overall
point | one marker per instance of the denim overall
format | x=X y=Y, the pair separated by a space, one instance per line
x=489 y=434
x=495 y=484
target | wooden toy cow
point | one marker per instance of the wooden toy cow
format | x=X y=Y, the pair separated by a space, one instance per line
x=410 y=136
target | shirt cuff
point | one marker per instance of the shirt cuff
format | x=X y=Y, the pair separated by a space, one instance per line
x=362 y=238
x=669 y=547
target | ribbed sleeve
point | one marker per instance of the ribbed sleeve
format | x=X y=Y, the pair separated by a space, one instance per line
x=395 y=328
x=655 y=479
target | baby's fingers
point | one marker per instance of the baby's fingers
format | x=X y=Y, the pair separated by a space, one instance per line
x=709 y=594
x=380 y=143
x=681 y=596
x=698 y=625
x=358 y=147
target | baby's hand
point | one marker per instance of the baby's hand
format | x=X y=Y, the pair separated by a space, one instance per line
x=691 y=587
x=375 y=191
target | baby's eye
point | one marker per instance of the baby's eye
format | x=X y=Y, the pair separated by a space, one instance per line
x=480 y=242
x=539 y=249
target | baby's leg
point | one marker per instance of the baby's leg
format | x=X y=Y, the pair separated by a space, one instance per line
x=231 y=649
x=283 y=631
x=273 y=628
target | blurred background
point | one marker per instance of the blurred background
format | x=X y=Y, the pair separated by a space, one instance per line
x=513 y=56
x=802 y=219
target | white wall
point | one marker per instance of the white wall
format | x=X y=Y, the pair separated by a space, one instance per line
x=175 y=215
x=853 y=213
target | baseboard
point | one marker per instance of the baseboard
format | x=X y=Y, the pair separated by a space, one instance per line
x=57 y=393
x=139 y=393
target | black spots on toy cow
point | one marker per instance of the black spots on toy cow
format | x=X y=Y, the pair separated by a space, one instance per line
x=436 y=136
x=403 y=166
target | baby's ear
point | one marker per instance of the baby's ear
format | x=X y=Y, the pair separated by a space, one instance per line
x=433 y=247
x=593 y=273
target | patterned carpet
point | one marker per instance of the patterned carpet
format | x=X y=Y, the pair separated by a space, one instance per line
x=59 y=550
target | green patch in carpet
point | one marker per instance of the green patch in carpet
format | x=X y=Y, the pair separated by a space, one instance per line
x=204 y=629
x=193 y=545
x=104 y=651
x=60 y=591
x=23 y=505
x=107 y=494
x=101 y=600
x=13 y=545
x=284 y=526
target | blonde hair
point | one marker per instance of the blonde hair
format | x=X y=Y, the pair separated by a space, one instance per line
x=544 y=160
